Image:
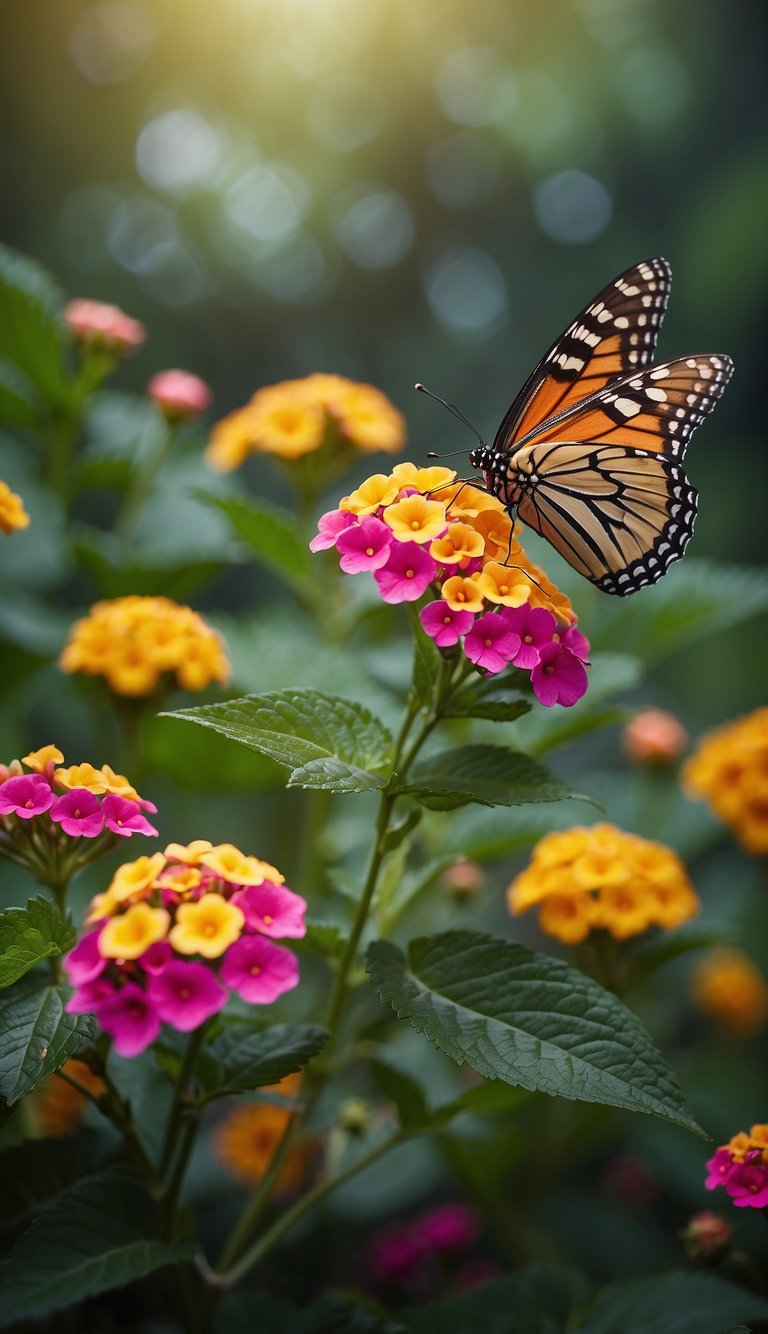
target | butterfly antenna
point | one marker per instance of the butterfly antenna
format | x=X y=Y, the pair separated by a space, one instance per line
x=455 y=412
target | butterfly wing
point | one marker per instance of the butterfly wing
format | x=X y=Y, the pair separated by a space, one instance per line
x=656 y=409
x=618 y=515
x=615 y=334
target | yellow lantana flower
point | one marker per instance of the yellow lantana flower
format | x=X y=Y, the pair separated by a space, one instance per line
x=460 y=543
x=414 y=519
x=727 y=985
x=207 y=927
x=39 y=759
x=374 y=491
x=131 y=934
x=729 y=769
x=503 y=584
x=462 y=594
x=231 y=864
x=13 y=515
x=131 y=880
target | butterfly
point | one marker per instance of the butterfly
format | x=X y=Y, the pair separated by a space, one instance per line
x=588 y=455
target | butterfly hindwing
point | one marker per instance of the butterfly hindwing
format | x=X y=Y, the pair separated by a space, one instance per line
x=618 y=515
x=615 y=334
x=656 y=409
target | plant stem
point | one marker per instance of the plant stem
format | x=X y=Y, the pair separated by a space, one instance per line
x=297 y=1211
x=259 y=1199
x=179 y=1105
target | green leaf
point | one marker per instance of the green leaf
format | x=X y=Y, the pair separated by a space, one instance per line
x=527 y=1019
x=117 y=572
x=610 y=675
x=404 y=1091
x=492 y=1097
x=248 y=1058
x=489 y=698
x=696 y=599
x=674 y=1303
x=95 y=1237
x=427 y=661
x=31 y=333
x=541 y=1299
x=324 y=938
x=488 y=775
x=409 y=887
x=271 y=533
x=18 y=405
x=36 y=1035
x=325 y=741
x=30 y=934
x=36 y=1171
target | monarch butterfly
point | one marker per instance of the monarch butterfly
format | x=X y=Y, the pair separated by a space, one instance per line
x=588 y=454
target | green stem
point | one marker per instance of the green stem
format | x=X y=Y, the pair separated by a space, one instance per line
x=259 y=1199
x=180 y=1104
x=292 y=1216
x=173 y=1188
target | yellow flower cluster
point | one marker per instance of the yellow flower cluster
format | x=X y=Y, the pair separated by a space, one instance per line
x=134 y=642
x=727 y=985
x=12 y=512
x=297 y=417
x=478 y=528
x=730 y=770
x=585 y=878
x=58 y=1106
x=246 y=1140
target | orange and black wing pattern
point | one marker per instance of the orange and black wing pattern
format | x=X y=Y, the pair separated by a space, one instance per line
x=614 y=335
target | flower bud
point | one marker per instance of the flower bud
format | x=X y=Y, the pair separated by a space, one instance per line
x=356 y=1116
x=178 y=395
x=654 y=738
x=463 y=879
x=99 y=327
x=707 y=1237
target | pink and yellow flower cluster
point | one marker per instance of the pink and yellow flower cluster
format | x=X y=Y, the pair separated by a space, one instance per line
x=741 y=1166
x=422 y=534
x=175 y=933
x=138 y=643
x=56 y=804
x=583 y=879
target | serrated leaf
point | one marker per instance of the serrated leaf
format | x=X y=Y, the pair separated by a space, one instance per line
x=675 y=1303
x=541 y=1299
x=490 y=699
x=250 y=1058
x=30 y=934
x=270 y=533
x=488 y=775
x=95 y=1237
x=325 y=741
x=527 y=1019
x=31 y=333
x=18 y=405
x=36 y=1035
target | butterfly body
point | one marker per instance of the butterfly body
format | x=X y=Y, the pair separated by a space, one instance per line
x=588 y=454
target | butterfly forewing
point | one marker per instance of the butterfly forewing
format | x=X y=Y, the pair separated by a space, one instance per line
x=618 y=515
x=657 y=409
x=615 y=334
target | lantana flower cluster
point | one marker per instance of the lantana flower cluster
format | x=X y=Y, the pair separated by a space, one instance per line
x=741 y=1166
x=175 y=933
x=140 y=643
x=47 y=808
x=582 y=879
x=727 y=985
x=298 y=417
x=13 y=515
x=419 y=532
x=729 y=769
x=103 y=329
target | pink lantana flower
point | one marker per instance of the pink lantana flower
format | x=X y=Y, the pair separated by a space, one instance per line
x=329 y=526
x=407 y=574
x=450 y=1227
x=84 y=962
x=25 y=795
x=719 y=1169
x=747 y=1185
x=558 y=677
x=491 y=644
x=366 y=546
x=445 y=625
x=156 y=957
x=179 y=395
x=131 y=1019
x=535 y=626
x=272 y=910
x=90 y=996
x=573 y=639
x=124 y=817
x=186 y=994
x=79 y=813
x=258 y=970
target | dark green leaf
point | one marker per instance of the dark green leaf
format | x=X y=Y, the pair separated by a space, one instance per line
x=427 y=661
x=248 y=1058
x=247 y=1312
x=95 y=1237
x=488 y=775
x=325 y=741
x=397 y=833
x=489 y=698
x=36 y=1035
x=674 y=1303
x=35 y=1172
x=30 y=934
x=271 y=533
x=18 y=406
x=324 y=938
x=542 y=1299
x=31 y=334
x=527 y=1019
x=403 y=1090
x=117 y=573
x=490 y=1098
